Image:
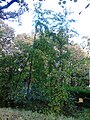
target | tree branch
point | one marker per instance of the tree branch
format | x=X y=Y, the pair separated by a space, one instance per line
x=85 y=8
x=8 y=4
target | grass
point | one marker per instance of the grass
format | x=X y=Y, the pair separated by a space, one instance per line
x=15 y=114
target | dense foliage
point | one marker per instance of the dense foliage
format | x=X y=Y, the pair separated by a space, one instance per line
x=36 y=75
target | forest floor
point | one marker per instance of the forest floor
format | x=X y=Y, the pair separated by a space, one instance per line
x=15 y=114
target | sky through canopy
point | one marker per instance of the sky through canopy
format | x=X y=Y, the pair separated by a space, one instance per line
x=82 y=25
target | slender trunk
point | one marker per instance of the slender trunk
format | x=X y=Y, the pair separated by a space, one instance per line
x=10 y=73
x=21 y=72
x=62 y=67
x=30 y=77
x=9 y=82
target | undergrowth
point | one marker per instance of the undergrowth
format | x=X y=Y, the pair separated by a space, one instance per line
x=15 y=114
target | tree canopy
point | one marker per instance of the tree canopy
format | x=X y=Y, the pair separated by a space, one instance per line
x=4 y=5
x=23 y=7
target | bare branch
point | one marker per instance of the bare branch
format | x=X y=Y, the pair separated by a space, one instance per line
x=87 y=6
x=8 y=4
